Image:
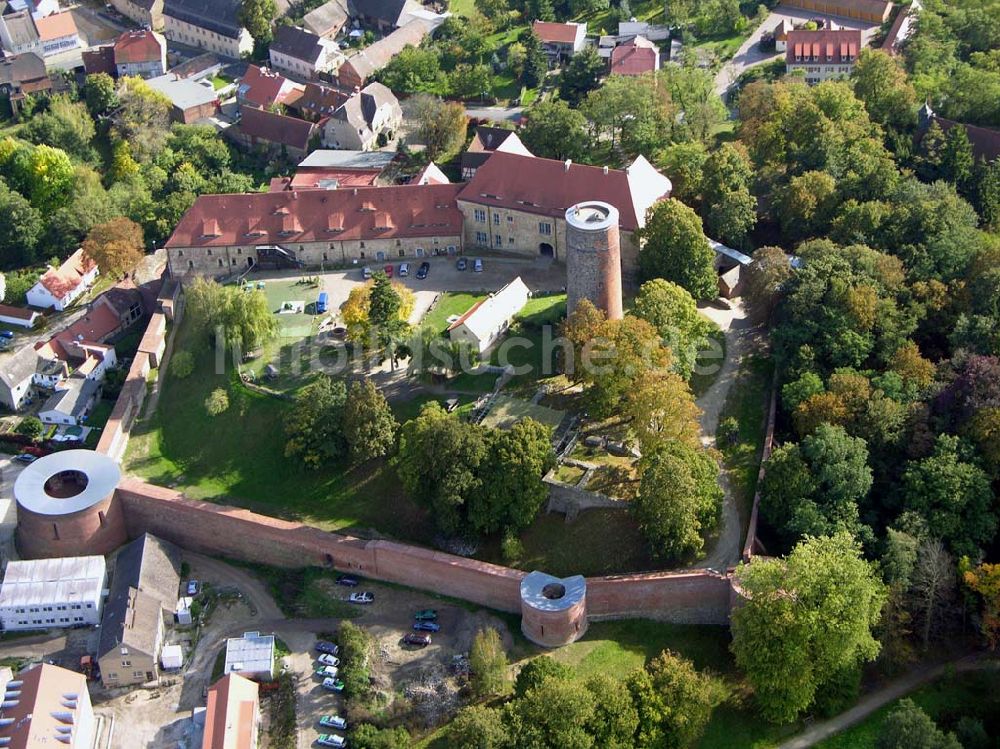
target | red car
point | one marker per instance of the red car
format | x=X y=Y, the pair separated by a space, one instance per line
x=388 y=271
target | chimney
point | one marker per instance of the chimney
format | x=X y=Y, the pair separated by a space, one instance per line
x=295 y=195
x=605 y=170
x=567 y=164
x=355 y=191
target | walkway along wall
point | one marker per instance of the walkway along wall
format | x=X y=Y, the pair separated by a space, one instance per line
x=751 y=546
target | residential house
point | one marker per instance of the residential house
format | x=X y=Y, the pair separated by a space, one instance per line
x=318 y=102
x=485 y=141
x=869 y=11
x=328 y=19
x=330 y=170
x=985 y=141
x=560 y=40
x=264 y=88
x=21 y=75
x=488 y=319
x=144 y=589
x=636 y=57
x=822 y=55
x=518 y=204
x=250 y=656
x=232 y=714
x=146 y=13
x=60 y=287
x=140 y=53
x=222 y=233
x=384 y=15
x=18 y=34
x=37 y=8
x=430 y=175
x=57 y=33
x=303 y=53
x=47 y=706
x=366 y=121
x=99 y=60
x=258 y=127
x=17 y=375
x=780 y=35
x=44 y=593
x=212 y=25
x=20 y=316
x=363 y=64
x=192 y=99
x=71 y=402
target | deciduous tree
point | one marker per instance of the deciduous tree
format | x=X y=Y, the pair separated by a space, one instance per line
x=985 y=580
x=116 y=246
x=538 y=670
x=142 y=118
x=314 y=426
x=673 y=312
x=580 y=76
x=728 y=208
x=20 y=229
x=369 y=425
x=256 y=16
x=676 y=249
x=909 y=727
x=440 y=126
x=488 y=663
x=478 y=727
x=555 y=131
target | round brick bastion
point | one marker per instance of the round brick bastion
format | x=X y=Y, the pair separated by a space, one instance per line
x=66 y=506
x=553 y=609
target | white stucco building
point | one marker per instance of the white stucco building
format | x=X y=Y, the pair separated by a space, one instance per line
x=45 y=593
x=486 y=321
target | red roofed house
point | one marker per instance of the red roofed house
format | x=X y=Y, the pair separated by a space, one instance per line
x=59 y=288
x=46 y=706
x=560 y=39
x=57 y=33
x=232 y=715
x=19 y=316
x=263 y=88
x=140 y=53
x=636 y=57
x=221 y=233
x=258 y=127
x=822 y=55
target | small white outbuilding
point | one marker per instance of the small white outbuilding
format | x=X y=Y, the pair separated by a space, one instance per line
x=483 y=324
x=171 y=657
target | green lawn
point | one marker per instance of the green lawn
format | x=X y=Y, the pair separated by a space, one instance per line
x=308 y=592
x=946 y=700
x=448 y=304
x=97 y=419
x=508 y=411
x=701 y=382
x=243 y=464
x=465 y=8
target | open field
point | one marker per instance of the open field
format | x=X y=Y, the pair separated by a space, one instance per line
x=448 y=304
x=507 y=411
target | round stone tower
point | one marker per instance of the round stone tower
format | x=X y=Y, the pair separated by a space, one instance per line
x=553 y=610
x=67 y=506
x=593 y=257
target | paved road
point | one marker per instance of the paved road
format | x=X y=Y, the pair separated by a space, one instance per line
x=9 y=471
x=739 y=343
x=892 y=691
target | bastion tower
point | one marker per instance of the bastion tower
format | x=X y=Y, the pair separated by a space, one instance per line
x=593 y=257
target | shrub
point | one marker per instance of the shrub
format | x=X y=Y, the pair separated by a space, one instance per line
x=356 y=649
x=511 y=547
x=182 y=365
x=217 y=402
x=30 y=426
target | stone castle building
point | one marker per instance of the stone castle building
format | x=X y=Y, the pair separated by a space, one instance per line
x=514 y=204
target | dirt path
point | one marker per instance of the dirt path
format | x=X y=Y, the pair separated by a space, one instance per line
x=739 y=342
x=889 y=693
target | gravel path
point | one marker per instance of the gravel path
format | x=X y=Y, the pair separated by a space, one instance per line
x=739 y=342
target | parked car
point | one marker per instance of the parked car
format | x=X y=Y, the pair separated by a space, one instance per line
x=423 y=270
x=426 y=615
x=366 y=272
x=327 y=647
x=333 y=721
x=462 y=264
x=25 y=458
x=388 y=270
x=404 y=269
x=426 y=627
x=326 y=672
x=8 y=334
x=333 y=685
x=419 y=640
x=365 y=597
x=348 y=580
x=328 y=660
x=331 y=739
x=477 y=265
x=193 y=587
x=65 y=438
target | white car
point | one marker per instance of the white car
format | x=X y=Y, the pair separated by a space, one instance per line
x=331 y=739
x=365 y=597
x=328 y=660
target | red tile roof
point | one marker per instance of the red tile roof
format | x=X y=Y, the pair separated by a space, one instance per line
x=547 y=187
x=319 y=216
x=558 y=33
x=985 y=141
x=826 y=46
x=55 y=26
x=96 y=326
x=633 y=59
x=19 y=313
x=100 y=60
x=64 y=279
x=260 y=124
x=137 y=46
x=262 y=87
x=230 y=713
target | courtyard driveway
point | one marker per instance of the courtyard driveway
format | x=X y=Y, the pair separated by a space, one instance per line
x=750 y=54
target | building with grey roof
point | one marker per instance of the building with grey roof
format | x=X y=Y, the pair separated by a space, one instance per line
x=251 y=655
x=362 y=65
x=71 y=402
x=17 y=372
x=366 y=121
x=302 y=52
x=212 y=25
x=327 y=158
x=192 y=99
x=18 y=33
x=44 y=593
x=328 y=19
x=144 y=589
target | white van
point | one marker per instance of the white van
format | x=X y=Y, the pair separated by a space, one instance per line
x=404 y=269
